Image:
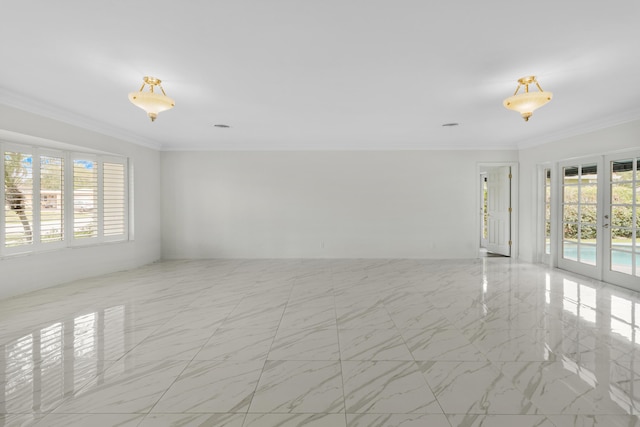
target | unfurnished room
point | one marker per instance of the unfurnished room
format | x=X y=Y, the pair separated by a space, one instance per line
x=320 y=213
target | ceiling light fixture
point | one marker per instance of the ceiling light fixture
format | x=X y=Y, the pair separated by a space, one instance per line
x=151 y=102
x=526 y=103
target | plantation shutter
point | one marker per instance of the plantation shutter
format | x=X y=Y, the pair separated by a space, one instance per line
x=51 y=199
x=55 y=199
x=114 y=199
x=85 y=199
x=18 y=199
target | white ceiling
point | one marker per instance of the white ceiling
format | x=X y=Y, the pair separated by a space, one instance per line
x=324 y=74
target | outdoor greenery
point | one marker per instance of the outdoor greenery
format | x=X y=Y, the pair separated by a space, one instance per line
x=621 y=215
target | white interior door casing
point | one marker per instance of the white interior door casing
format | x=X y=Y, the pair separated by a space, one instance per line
x=499 y=210
x=483 y=210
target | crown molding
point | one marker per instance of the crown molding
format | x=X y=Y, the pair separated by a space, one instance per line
x=21 y=102
x=30 y=140
x=582 y=129
x=257 y=148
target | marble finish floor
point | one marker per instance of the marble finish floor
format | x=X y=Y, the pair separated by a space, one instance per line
x=323 y=343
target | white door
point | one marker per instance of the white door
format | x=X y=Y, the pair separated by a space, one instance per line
x=621 y=220
x=580 y=245
x=499 y=210
x=484 y=231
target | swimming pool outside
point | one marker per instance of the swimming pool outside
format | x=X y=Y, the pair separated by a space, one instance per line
x=621 y=260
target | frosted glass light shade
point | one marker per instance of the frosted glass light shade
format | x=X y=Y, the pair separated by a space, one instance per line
x=151 y=102
x=527 y=103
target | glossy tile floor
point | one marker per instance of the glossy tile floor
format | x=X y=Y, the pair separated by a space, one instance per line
x=487 y=342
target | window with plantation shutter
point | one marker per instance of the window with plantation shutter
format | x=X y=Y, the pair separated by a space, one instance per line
x=54 y=199
x=114 y=199
x=18 y=199
x=51 y=199
x=85 y=199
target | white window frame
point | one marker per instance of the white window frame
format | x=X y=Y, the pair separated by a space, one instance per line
x=35 y=214
x=68 y=199
x=52 y=153
x=73 y=241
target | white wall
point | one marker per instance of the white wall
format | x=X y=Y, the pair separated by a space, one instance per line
x=616 y=138
x=416 y=204
x=20 y=274
x=379 y=204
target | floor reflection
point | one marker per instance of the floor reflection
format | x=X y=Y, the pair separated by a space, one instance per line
x=160 y=340
x=42 y=368
x=603 y=347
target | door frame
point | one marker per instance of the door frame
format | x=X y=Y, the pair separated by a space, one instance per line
x=631 y=282
x=515 y=186
x=483 y=240
x=541 y=256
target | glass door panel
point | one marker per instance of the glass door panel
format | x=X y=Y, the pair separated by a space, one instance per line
x=580 y=246
x=621 y=222
x=579 y=213
x=600 y=218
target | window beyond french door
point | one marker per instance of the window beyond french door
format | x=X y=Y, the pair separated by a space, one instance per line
x=599 y=218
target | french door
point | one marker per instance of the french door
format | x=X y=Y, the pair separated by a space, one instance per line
x=600 y=218
x=621 y=221
x=580 y=245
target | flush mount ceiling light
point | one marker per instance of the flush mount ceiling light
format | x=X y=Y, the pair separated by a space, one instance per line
x=526 y=103
x=151 y=102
